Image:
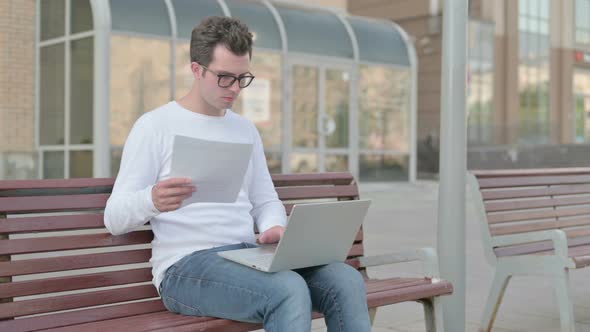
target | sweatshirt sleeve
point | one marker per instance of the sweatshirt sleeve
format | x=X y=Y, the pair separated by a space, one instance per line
x=267 y=209
x=130 y=204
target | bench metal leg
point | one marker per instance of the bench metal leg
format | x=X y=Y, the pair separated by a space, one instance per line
x=501 y=279
x=564 y=300
x=372 y=313
x=433 y=314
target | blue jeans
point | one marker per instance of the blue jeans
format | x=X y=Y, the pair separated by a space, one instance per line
x=205 y=284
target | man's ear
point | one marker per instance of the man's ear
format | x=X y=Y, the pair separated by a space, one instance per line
x=196 y=70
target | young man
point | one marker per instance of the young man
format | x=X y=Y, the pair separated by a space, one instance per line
x=187 y=272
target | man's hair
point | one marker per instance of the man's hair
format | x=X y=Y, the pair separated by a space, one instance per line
x=228 y=31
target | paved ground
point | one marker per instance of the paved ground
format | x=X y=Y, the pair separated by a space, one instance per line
x=403 y=216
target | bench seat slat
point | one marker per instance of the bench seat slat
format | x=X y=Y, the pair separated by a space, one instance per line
x=538 y=247
x=35 y=204
x=51 y=223
x=95 y=314
x=539 y=226
x=73 y=262
x=34 y=245
x=582 y=261
x=82 y=316
x=415 y=289
x=579 y=254
x=65 y=302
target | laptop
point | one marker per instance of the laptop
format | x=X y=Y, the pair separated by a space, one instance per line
x=316 y=234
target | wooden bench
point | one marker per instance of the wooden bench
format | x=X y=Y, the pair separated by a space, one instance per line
x=534 y=222
x=55 y=245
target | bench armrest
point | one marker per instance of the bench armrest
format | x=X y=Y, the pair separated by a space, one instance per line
x=427 y=256
x=557 y=236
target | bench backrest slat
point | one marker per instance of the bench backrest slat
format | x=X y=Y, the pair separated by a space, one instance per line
x=52 y=223
x=86 y=241
x=58 y=242
x=62 y=284
x=73 y=262
x=521 y=201
x=37 y=204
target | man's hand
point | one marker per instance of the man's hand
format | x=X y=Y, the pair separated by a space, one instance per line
x=272 y=235
x=168 y=195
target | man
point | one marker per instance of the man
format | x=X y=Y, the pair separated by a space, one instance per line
x=187 y=272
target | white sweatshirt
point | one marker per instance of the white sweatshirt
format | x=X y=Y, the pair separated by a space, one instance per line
x=146 y=161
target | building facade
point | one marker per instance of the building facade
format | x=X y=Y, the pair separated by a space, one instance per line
x=528 y=79
x=87 y=69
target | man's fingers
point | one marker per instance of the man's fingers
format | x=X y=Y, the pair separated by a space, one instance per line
x=177 y=191
x=174 y=182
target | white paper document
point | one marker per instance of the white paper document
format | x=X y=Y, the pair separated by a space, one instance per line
x=216 y=168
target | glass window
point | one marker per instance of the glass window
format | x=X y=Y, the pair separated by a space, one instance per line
x=315 y=32
x=140 y=81
x=189 y=13
x=81 y=16
x=480 y=84
x=81 y=87
x=18 y=165
x=533 y=72
x=274 y=162
x=383 y=167
x=183 y=75
x=582 y=21
x=51 y=99
x=53 y=165
x=261 y=102
x=582 y=105
x=53 y=19
x=336 y=163
x=304 y=162
x=80 y=164
x=384 y=109
x=116 y=155
x=259 y=20
x=336 y=121
x=379 y=42
x=305 y=103
x=145 y=16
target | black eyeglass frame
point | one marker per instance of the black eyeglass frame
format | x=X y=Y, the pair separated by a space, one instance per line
x=234 y=78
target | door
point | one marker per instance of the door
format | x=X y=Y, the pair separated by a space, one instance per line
x=320 y=118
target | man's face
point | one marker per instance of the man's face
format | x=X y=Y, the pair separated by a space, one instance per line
x=224 y=62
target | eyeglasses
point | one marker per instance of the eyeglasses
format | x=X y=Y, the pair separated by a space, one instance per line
x=227 y=80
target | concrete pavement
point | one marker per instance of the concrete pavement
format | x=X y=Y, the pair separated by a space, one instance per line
x=403 y=216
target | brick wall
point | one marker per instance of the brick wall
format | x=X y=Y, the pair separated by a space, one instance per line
x=17 y=82
x=17 y=75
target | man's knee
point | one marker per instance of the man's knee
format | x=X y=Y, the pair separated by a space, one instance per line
x=290 y=289
x=342 y=278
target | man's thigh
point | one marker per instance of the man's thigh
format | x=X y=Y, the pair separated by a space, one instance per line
x=205 y=284
x=336 y=279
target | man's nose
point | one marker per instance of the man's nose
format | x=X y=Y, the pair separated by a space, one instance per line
x=235 y=87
